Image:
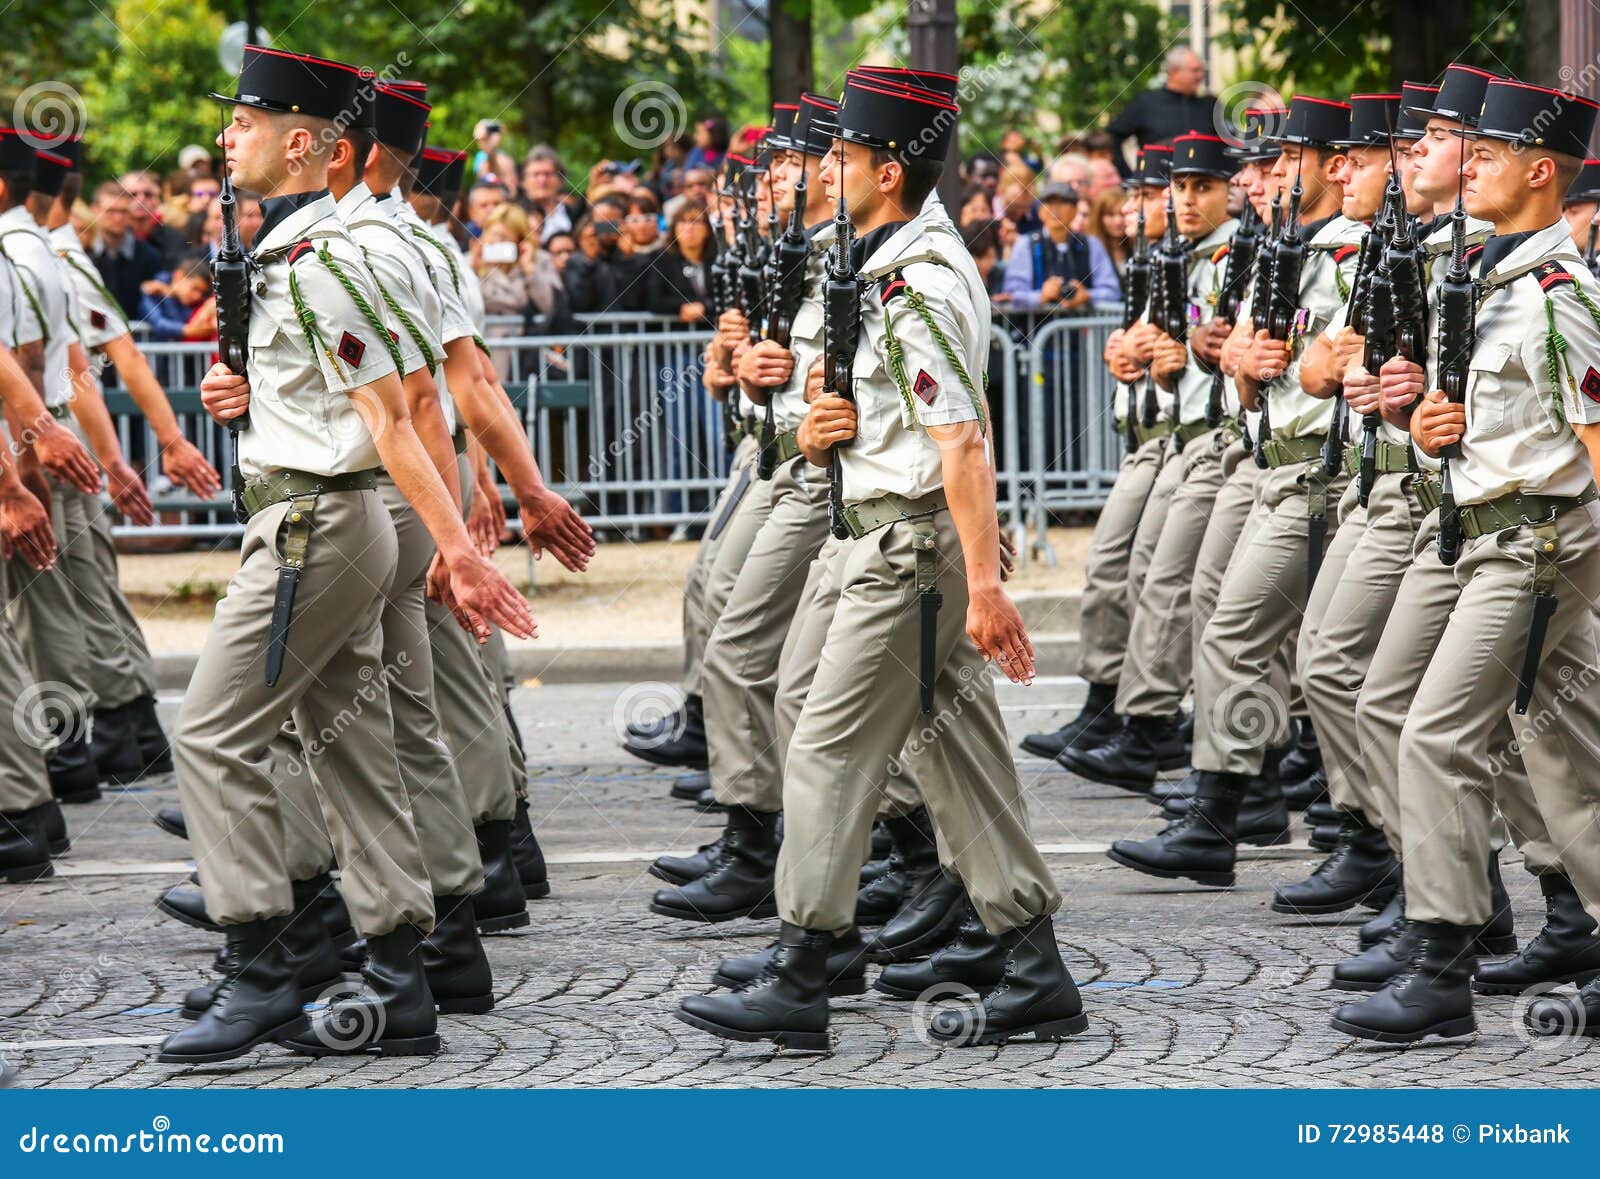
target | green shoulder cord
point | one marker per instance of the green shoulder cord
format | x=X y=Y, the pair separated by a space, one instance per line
x=406 y=321
x=1341 y=282
x=27 y=293
x=308 y=324
x=1555 y=355
x=94 y=281
x=897 y=359
x=450 y=259
x=482 y=347
x=361 y=303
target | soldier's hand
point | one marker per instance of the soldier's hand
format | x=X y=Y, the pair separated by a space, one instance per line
x=129 y=494
x=1401 y=382
x=1362 y=389
x=224 y=395
x=25 y=528
x=1267 y=360
x=718 y=379
x=1113 y=346
x=830 y=420
x=814 y=376
x=1124 y=369
x=1139 y=343
x=481 y=525
x=182 y=462
x=1437 y=423
x=1170 y=358
x=60 y=453
x=1206 y=341
x=1050 y=292
x=1232 y=354
x=550 y=522
x=483 y=594
x=1347 y=347
x=766 y=365
x=995 y=627
x=732 y=327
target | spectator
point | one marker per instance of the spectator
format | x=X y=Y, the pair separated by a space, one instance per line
x=181 y=309
x=202 y=191
x=1054 y=267
x=542 y=182
x=248 y=211
x=670 y=165
x=175 y=205
x=1016 y=200
x=1072 y=170
x=680 y=277
x=984 y=171
x=1155 y=116
x=604 y=275
x=983 y=243
x=196 y=161
x=489 y=162
x=1080 y=219
x=144 y=218
x=124 y=261
x=608 y=176
x=1107 y=226
x=977 y=206
x=1103 y=177
x=710 y=143
x=695 y=189
x=644 y=222
x=1015 y=149
x=560 y=247
x=485 y=198
x=517 y=279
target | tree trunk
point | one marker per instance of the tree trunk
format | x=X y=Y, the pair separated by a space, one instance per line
x=1425 y=35
x=934 y=32
x=1538 y=31
x=790 y=67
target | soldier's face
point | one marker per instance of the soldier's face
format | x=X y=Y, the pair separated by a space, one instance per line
x=1580 y=216
x=1201 y=203
x=251 y=150
x=1415 y=203
x=1364 y=173
x=1436 y=162
x=1154 y=202
x=1497 y=178
x=857 y=179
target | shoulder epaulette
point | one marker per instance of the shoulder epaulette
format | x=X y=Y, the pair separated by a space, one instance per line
x=1471 y=253
x=1219 y=254
x=1345 y=251
x=299 y=250
x=1552 y=274
x=893 y=284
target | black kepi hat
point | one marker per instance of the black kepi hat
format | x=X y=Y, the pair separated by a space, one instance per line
x=1587 y=186
x=401 y=119
x=439 y=172
x=781 y=137
x=17 y=154
x=1205 y=155
x=49 y=170
x=1152 y=167
x=1257 y=144
x=1315 y=122
x=1372 y=119
x=1415 y=98
x=946 y=86
x=1535 y=117
x=1459 y=97
x=910 y=121
x=297 y=83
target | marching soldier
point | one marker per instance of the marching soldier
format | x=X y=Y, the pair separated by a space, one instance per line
x=299 y=630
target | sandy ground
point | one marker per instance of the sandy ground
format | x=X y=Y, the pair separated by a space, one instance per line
x=631 y=590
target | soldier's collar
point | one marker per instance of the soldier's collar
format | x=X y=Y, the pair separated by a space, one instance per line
x=358 y=195
x=283 y=217
x=870 y=245
x=1218 y=236
x=1510 y=256
x=18 y=217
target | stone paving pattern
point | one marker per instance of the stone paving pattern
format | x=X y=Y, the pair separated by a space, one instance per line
x=1184 y=986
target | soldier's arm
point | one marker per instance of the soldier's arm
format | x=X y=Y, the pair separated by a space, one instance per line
x=181 y=460
x=1317 y=375
x=427 y=413
x=24 y=520
x=41 y=438
x=89 y=407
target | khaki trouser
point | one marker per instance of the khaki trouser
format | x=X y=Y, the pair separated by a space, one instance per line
x=1155 y=674
x=130 y=672
x=697 y=619
x=498 y=659
x=472 y=718
x=1447 y=781
x=332 y=684
x=1345 y=618
x=307 y=851
x=740 y=680
x=1151 y=521
x=797 y=669
x=1240 y=711
x=1427 y=594
x=23 y=781
x=863 y=707
x=1103 y=625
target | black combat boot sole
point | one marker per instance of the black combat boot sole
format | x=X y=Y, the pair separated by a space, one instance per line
x=389 y=1046
x=950 y=988
x=23 y=873
x=1581 y=978
x=686 y=791
x=940 y=935
x=1138 y=784
x=181 y=832
x=1267 y=838
x=792 y=1040
x=1449 y=1029
x=78 y=797
x=294 y=1027
x=1213 y=879
x=504 y=924
x=1357 y=984
x=1049 y=749
x=754 y=913
x=710 y=808
x=1054 y=1029
x=465 y=1005
x=311 y=993
x=688 y=761
x=838 y=988
x=536 y=891
x=179 y=915
x=1375 y=900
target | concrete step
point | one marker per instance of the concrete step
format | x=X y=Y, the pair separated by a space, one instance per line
x=1050 y=611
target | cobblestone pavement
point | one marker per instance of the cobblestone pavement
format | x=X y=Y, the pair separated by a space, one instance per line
x=1184 y=986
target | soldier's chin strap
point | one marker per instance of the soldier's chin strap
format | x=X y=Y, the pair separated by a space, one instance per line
x=1544 y=607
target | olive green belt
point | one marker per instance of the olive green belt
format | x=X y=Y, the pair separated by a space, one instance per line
x=1143 y=434
x=459 y=440
x=1187 y=432
x=1516 y=509
x=873 y=514
x=786 y=446
x=1393 y=458
x=1286 y=452
x=1427 y=488
x=260 y=494
x=745 y=427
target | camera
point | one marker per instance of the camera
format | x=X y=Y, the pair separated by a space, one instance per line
x=498 y=252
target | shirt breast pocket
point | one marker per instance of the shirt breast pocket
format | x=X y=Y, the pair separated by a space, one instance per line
x=1485 y=406
x=807 y=322
x=262 y=339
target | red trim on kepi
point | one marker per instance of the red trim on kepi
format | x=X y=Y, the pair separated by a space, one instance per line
x=1535 y=117
x=908 y=121
x=1203 y=155
x=400 y=120
x=440 y=172
x=296 y=83
x=947 y=86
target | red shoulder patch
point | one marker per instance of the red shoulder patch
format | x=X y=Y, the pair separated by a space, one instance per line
x=892 y=288
x=351 y=349
x=299 y=250
x=1472 y=252
x=1591 y=384
x=1343 y=252
x=97 y=319
x=1220 y=254
x=925 y=386
x=1552 y=274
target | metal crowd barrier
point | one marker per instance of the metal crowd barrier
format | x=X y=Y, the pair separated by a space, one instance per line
x=623 y=427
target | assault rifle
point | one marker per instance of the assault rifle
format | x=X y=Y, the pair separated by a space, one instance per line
x=1242 y=252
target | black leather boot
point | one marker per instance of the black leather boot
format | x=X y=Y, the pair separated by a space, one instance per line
x=1263 y=815
x=452 y=955
x=683 y=869
x=115 y=746
x=1304 y=756
x=186 y=902
x=1035 y=996
x=1566 y=950
x=309 y=952
x=1097 y=722
x=391 y=1014
x=845 y=969
x=972 y=963
x=1307 y=792
x=1361 y=868
x=913 y=863
x=786 y=1003
x=257 y=1002
x=1431 y=996
x=929 y=917
x=1553 y=1015
x=1375 y=930
x=741 y=881
x=24 y=845
x=682 y=743
x=707 y=803
x=1177 y=790
x=873 y=869
x=1136 y=753
x=73 y=776
x=882 y=841
x=528 y=856
x=1498 y=935
x=501 y=904
x=688 y=787
x=170 y=819
x=154 y=751
x=55 y=828
x=1324 y=838
x=661 y=725
x=1378 y=963
x=1200 y=846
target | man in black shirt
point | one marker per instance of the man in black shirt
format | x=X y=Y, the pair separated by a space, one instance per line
x=1157 y=116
